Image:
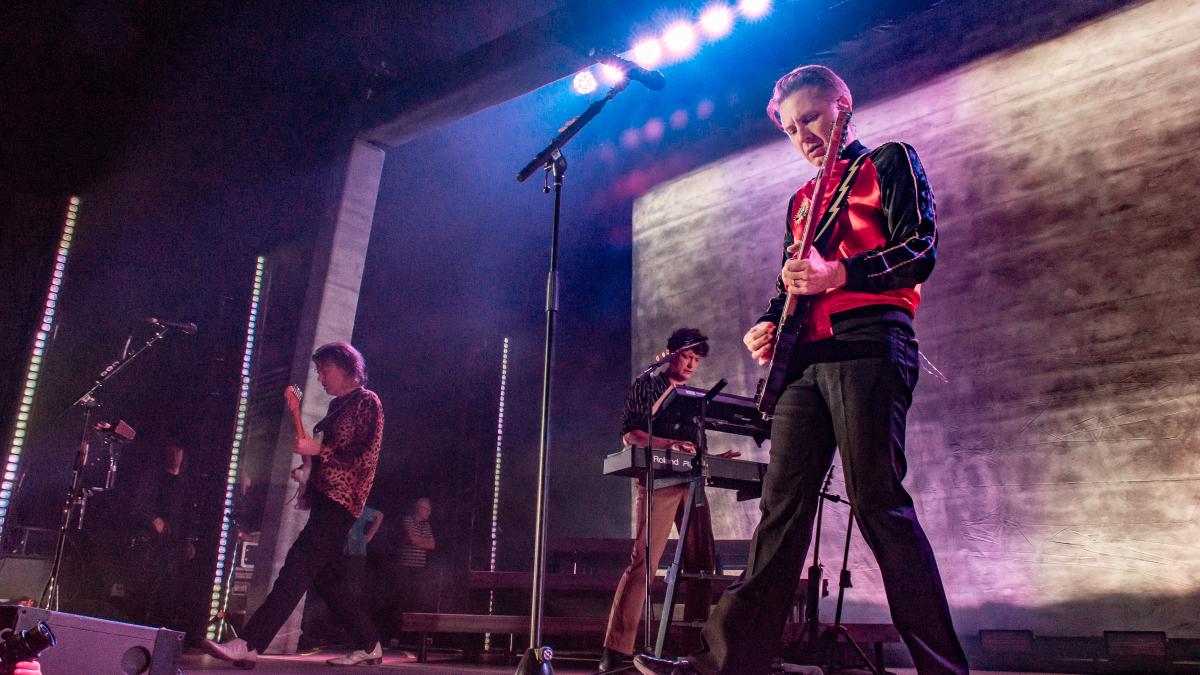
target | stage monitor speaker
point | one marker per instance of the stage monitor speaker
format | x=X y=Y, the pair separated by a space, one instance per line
x=20 y=576
x=99 y=647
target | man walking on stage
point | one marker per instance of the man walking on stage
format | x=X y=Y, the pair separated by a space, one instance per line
x=849 y=386
x=344 y=463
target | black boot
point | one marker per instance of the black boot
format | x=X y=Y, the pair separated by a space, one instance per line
x=611 y=659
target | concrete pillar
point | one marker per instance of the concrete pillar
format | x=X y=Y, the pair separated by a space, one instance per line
x=329 y=309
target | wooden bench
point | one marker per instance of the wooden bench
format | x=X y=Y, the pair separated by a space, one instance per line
x=510 y=624
x=875 y=634
x=580 y=583
x=424 y=623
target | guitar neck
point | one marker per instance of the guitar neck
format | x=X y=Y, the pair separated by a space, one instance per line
x=299 y=424
x=836 y=138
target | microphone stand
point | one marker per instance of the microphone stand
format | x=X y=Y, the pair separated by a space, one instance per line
x=648 y=503
x=827 y=649
x=537 y=658
x=812 y=611
x=76 y=494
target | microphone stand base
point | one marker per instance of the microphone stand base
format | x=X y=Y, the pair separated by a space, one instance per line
x=536 y=661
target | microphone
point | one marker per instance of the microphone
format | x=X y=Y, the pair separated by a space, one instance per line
x=665 y=357
x=651 y=79
x=186 y=327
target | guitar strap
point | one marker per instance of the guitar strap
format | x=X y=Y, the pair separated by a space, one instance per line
x=839 y=197
x=320 y=427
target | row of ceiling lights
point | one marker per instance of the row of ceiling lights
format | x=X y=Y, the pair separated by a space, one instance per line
x=678 y=41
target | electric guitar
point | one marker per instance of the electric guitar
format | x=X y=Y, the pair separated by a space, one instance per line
x=293 y=395
x=791 y=322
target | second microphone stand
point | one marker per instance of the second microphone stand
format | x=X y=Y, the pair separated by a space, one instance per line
x=77 y=494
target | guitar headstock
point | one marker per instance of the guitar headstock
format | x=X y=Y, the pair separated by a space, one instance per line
x=293 y=395
x=837 y=136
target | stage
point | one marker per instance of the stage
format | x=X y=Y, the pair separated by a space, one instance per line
x=397 y=662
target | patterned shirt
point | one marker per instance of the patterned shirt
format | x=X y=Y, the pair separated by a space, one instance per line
x=643 y=393
x=353 y=433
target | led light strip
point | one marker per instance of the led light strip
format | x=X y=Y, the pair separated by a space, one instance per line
x=219 y=592
x=34 y=368
x=487 y=638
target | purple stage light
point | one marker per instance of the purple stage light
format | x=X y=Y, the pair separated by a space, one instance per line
x=630 y=139
x=653 y=129
x=754 y=9
x=647 y=53
x=716 y=21
x=584 y=82
x=680 y=38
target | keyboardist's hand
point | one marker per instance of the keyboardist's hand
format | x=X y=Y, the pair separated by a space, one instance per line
x=729 y=454
x=682 y=446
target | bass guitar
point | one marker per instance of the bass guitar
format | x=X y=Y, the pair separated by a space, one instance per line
x=791 y=321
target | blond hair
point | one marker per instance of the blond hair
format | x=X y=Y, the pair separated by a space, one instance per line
x=806 y=76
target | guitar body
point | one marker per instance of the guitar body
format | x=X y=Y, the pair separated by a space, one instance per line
x=771 y=387
x=791 y=321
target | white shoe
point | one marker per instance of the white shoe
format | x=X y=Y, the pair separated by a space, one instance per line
x=235 y=651
x=371 y=658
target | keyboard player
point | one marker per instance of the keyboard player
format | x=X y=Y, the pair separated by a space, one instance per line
x=688 y=347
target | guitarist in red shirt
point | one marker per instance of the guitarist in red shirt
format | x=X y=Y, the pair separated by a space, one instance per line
x=846 y=385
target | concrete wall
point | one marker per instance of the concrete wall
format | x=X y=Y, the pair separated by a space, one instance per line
x=1057 y=470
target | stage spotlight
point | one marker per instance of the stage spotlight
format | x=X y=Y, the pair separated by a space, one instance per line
x=754 y=9
x=647 y=53
x=584 y=82
x=717 y=21
x=611 y=74
x=680 y=38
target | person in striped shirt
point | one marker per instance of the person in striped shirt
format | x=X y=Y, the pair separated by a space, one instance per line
x=418 y=538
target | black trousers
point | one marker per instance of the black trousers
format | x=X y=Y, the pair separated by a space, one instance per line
x=311 y=564
x=319 y=626
x=850 y=393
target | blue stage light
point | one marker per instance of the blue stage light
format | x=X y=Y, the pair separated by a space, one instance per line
x=680 y=38
x=647 y=53
x=611 y=74
x=716 y=21
x=754 y=9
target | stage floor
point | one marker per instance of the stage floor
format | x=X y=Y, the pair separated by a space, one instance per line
x=396 y=662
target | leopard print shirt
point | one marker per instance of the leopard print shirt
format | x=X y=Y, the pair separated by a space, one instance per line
x=353 y=434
